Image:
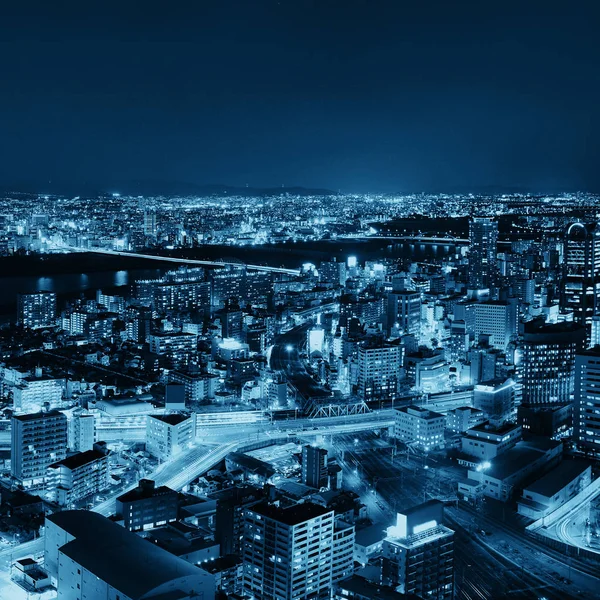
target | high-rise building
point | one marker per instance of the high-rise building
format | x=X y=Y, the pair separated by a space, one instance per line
x=33 y=393
x=586 y=413
x=548 y=361
x=483 y=242
x=81 y=430
x=379 y=371
x=404 y=312
x=314 y=466
x=38 y=310
x=418 y=553
x=175 y=349
x=150 y=223
x=580 y=290
x=229 y=516
x=332 y=272
x=37 y=441
x=288 y=552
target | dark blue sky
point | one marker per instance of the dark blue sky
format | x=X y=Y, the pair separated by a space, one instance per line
x=358 y=96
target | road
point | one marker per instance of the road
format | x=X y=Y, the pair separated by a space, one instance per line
x=196 y=461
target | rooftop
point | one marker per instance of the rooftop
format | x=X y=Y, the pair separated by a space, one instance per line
x=293 y=515
x=50 y=414
x=370 y=535
x=171 y=419
x=79 y=460
x=125 y=561
x=554 y=481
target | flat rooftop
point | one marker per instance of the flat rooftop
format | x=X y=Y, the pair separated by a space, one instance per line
x=557 y=479
x=171 y=419
x=80 y=459
x=293 y=515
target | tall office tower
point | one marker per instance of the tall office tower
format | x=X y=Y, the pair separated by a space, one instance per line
x=498 y=320
x=548 y=361
x=496 y=398
x=332 y=272
x=36 y=310
x=288 y=552
x=586 y=409
x=150 y=223
x=580 y=290
x=483 y=242
x=404 y=312
x=36 y=441
x=314 y=466
x=418 y=553
x=379 y=371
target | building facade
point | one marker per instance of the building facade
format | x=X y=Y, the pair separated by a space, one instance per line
x=418 y=553
x=37 y=441
x=419 y=427
x=288 y=552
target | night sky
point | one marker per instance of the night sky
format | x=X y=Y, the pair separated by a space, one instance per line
x=357 y=96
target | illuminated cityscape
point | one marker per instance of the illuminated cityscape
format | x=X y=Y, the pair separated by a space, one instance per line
x=376 y=376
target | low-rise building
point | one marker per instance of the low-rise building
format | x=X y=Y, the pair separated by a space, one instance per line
x=484 y=442
x=499 y=477
x=419 y=427
x=556 y=487
x=78 y=476
x=87 y=552
x=168 y=435
x=368 y=543
x=147 y=506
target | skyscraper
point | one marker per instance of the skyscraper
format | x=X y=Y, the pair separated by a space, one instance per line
x=483 y=241
x=580 y=289
x=548 y=361
x=36 y=310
